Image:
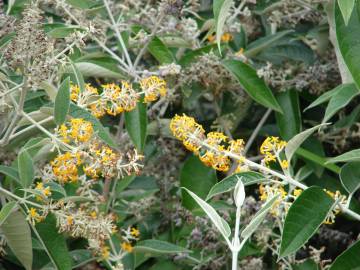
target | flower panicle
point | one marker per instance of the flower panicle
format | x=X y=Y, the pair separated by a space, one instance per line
x=214 y=148
x=114 y=99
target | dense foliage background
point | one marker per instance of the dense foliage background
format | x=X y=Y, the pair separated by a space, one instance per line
x=92 y=169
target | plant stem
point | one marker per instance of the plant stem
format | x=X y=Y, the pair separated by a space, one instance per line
x=150 y=37
x=256 y=130
x=235 y=255
x=118 y=35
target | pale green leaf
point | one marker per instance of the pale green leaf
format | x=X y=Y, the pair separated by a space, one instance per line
x=18 y=236
x=297 y=140
x=221 y=10
x=258 y=218
x=346 y=8
x=159 y=247
x=25 y=168
x=218 y=221
x=62 y=102
x=229 y=183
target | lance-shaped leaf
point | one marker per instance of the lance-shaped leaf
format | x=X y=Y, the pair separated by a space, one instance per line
x=252 y=84
x=350 y=176
x=218 y=221
x=18 y=236
x=229 y=183
x=297 y=140
x=159 y=247
x=349 y=259
x=25 y=168
x=258 y=218
x=136 y=124
x=62 y=102
x=353 y=155
x=304 y=218
x=6 y=211
x=346 y=8
x=349 y=42
x=221 y=9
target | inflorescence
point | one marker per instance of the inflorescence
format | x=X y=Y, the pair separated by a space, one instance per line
x=114 y=99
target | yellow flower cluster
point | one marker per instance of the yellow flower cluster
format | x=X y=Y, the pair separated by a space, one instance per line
x=153 y=88
x=114 y=99
x=77 y=130
x=213 y=149
x=271 y=148
x=65 y=167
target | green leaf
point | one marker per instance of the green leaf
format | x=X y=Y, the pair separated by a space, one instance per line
x=60 y=30
x=221 y=10
x=77 y=112
x=54 y=242
x=346 y=8
x=252 y=84
x=229 y=183
x=25 y=168
x=349 y=259
x=258 y=218
x=18 y=236
x=289 y=123
x=12 y=173
x=340 y=100
x=81 y=257
x=308 y=155
x=79 y=79
x=159 y=247
x=62 y=102
x=82 y=4
x=349 y=42
x=326 y=96
x=159 y=50
x=262 y=43
x=99 y=70
x=218 y=221
x=198 y=178
x=136 y=124
x=350 y=176
x=305 y=216
x=353 y=155
x=297 y=140
x=6 y=211
x=306 y=265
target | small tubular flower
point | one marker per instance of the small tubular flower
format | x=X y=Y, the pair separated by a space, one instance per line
x=153 y=88
x=271 y=148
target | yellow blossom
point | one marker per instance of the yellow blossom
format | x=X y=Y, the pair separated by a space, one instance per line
x=105 y=252
x=127 y=247
x=297 y=192
x=65 y=167
x=135 y=232
x=284 y=164
x=153 y=88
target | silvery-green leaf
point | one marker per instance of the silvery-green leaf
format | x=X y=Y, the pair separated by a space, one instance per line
x=219 y=222
x=297 y=140
x=258 y=218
